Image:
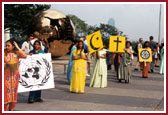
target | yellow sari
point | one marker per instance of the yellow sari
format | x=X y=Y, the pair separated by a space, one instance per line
x=78 y=73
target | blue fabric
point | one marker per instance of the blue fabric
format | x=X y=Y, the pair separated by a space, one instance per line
x=34 y=95
x=40 y=51
x=152 y=45
x=86 y=49
x=70 y=64
x=45 y=49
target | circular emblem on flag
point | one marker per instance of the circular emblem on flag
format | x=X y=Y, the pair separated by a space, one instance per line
x=145 y=54
x=34 y=72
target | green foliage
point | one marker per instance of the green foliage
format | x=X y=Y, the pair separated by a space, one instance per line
x=18 y=17
x=81 y=27
x=134 y=43
x=106 y=32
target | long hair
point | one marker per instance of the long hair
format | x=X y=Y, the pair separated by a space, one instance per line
x=144 y=46
x=12 y=42
x=78 y=45
x=38 y=41
x=75 y=41
x=128 y=42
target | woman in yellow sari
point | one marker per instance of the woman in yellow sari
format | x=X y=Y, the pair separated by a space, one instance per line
x=78 y=69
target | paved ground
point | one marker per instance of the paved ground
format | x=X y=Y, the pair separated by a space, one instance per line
x=143 y=94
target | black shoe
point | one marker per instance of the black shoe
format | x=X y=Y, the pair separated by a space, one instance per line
x=144 y=77
x=39 y=100
x=109 y=67
x=31 y=101
x=151 y=70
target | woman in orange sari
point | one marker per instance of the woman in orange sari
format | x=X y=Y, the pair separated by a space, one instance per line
x=11 y=74
x=145 y=65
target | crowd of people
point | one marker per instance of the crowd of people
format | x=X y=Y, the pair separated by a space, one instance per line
x=78 y=66
x=103 y=59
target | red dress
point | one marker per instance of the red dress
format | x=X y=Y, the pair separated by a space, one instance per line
x=11 y=76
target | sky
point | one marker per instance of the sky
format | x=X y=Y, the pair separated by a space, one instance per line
x=135 y=20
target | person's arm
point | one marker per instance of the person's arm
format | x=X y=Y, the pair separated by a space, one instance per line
x=130 y=53
x=85 y=57
x=23 y=46
x=104 y=56
x=97 y=55
x=75 y=57
x=20 y=51
x=119 y=56
x=114 y=54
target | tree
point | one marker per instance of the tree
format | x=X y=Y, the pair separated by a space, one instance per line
x=81 y=27
x=133 y=44
x=17 y=17
x=106 y=31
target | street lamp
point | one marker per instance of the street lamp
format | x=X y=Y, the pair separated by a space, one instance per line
x=159 y=22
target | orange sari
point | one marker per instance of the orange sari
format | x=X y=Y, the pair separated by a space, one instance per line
x=145 y=69
x=11 y=76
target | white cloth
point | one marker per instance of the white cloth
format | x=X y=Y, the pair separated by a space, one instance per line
x=86 y=42
x=132 y=57
x=139 y=45
x=25 y=47
x=43 y=78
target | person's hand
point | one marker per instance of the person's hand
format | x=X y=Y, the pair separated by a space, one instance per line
x=85 y=58
x=7 y=58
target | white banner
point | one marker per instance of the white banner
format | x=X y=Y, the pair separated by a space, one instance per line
x=36 y=73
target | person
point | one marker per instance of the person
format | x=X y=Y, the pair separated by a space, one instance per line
x=138 y=47
x=86 y=51
x=25 y=45
x=109 y=59
x=153 y=47
x=35 y=37
x=78 y=70
x=125 y=71
x=156 y=55
x=71 y=62
x=99 y=75
x=132 y=56
x=145 y=65
x=35 y=96
x=116 y=57
x=161 y=69
x=11 y=74
x=44 y=44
